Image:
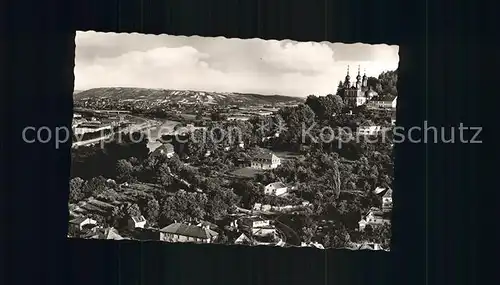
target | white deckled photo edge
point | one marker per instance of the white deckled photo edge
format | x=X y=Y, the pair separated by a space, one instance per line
x=232 y=141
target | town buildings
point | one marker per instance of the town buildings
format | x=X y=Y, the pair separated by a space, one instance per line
x=91 y=127
x=375 y=217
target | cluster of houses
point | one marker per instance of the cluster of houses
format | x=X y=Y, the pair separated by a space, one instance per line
x=377 y=217
x=251 y=230
x=257 y=231
x=81 y=125
x=245 y=229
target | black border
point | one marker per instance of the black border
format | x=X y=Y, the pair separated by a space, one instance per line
x=39 y=73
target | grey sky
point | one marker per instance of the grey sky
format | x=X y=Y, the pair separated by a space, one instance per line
x=224 y=65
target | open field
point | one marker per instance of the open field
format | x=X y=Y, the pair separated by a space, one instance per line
x=246 y=172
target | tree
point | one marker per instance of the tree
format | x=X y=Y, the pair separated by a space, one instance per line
x=222 y=238
x=308 y=232
x=124 y=170
x=217 y=116
x=152 y=211
x=340 y=87
x=325 y=107
x=336 y=104
x=94 y=187
x=183 y=206
x=133 y=210
x=250 y=192
x=296 y=118
x=335 y=179
x=199 y=116
x=75 y=189
x=336 y=236
x=164 y=176
x=389 y=80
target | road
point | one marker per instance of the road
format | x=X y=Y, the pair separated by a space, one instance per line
x=292 y=237
x=92 y=141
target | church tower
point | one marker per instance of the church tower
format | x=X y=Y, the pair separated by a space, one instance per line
x=358 y=80
x=365 y=81
x=347 y=82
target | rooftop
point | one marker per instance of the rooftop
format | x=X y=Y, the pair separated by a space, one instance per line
x=189 y=230
x=138 y=219
x=388 y=193
x=78 y=220
x=379 y=190
x=388 y=98
x=163 y=149
x=276 y=185
x=266 y=156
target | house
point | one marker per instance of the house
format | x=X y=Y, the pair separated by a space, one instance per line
x=166 y=149
x=378 y=190
x=108 y=233
x=147 y=233
x=370 y=246
x=180 y=232
x=374 y=218
x=264 y=231
x=242 y=163
x=276 y=189
x=281 y=243
x=244 y=239
x=260 y=207
x=238 y=118
x=387 y=200
x=136 y=222
x=312 y=244
x=210 y=225
x=82 y=223
x=254 y=222
x=265 y=161
x=388 y=102
x=369 y=130
x=267 y=239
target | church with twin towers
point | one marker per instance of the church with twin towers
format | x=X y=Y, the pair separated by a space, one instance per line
x=356 y=93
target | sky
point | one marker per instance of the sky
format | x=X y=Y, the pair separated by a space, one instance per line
x=218 y=64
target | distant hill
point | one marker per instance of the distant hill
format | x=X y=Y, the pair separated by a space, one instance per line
x=182 y=96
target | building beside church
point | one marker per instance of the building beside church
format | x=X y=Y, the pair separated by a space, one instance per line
x=357 y=93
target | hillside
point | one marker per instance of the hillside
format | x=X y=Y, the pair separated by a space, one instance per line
x=183 y=97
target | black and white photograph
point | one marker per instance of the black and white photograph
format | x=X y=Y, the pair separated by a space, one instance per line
x=233 y=141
